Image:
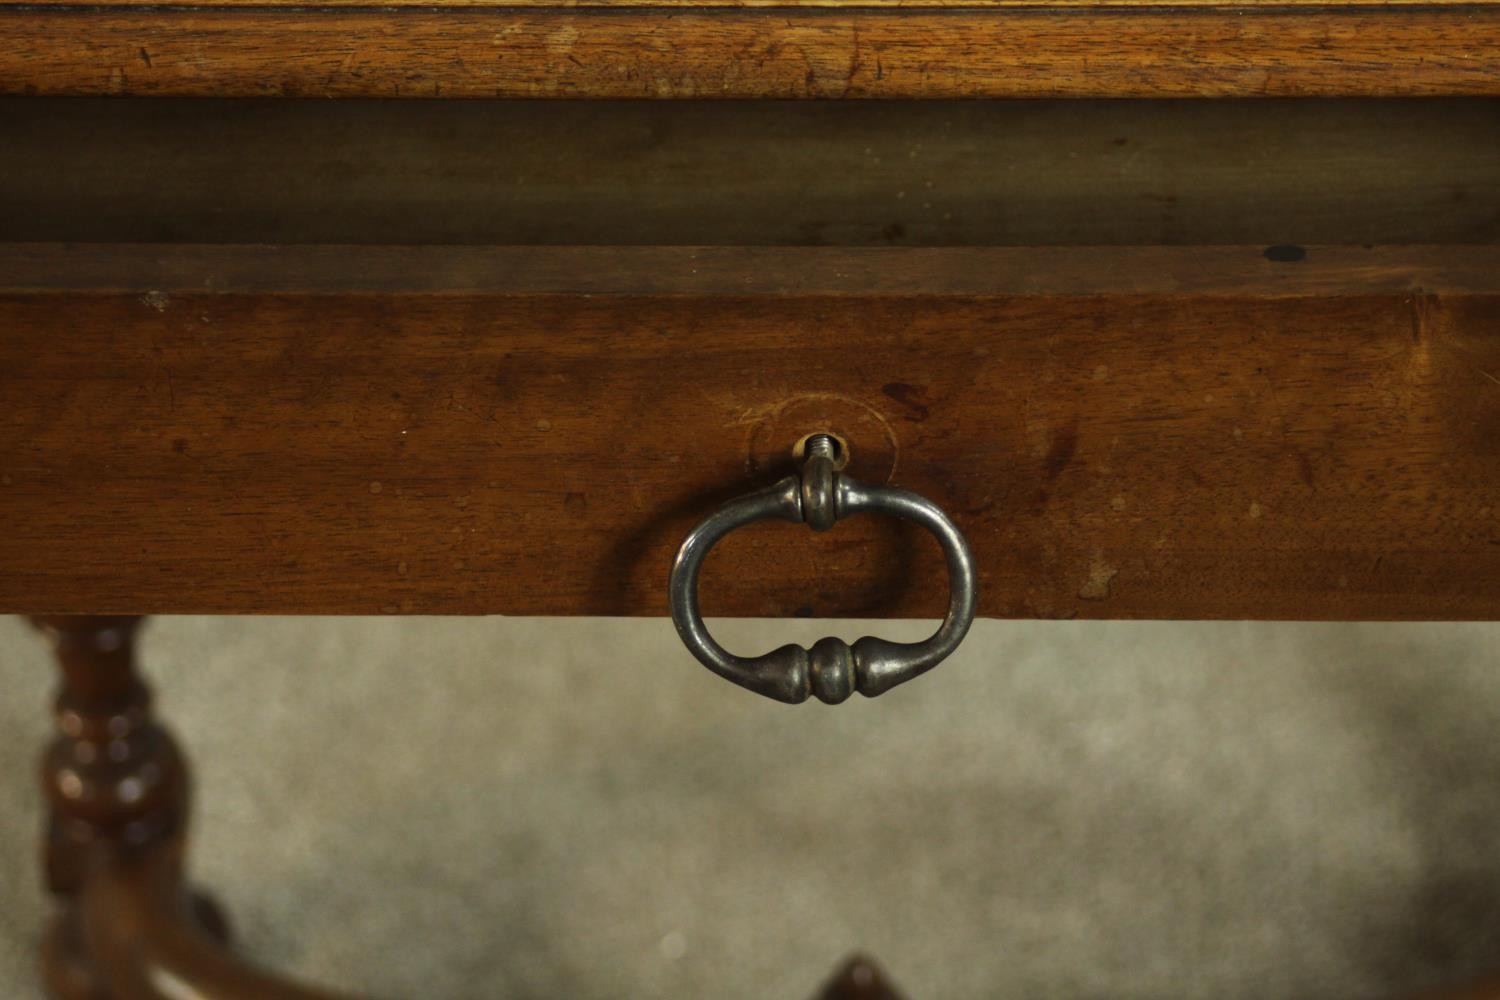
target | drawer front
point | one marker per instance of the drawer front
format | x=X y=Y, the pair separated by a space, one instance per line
x=1123 y=432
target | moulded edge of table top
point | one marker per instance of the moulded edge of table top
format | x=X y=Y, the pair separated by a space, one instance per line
x=1065 y=50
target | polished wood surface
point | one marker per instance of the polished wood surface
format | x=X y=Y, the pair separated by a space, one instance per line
x=1121 y=432
x=667 y=52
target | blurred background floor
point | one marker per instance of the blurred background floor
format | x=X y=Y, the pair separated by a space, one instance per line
x=457 y=808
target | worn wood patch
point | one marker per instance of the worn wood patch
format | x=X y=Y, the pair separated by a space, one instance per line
x=204 y=442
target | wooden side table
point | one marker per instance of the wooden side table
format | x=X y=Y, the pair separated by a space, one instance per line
x=1155 y=356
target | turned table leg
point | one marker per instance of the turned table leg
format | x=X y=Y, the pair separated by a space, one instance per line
x=116 y=788
x=115 y=783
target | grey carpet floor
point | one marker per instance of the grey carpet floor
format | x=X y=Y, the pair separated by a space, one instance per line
x=573 y=808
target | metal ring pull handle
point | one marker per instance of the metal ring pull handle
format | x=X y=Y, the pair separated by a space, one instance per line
x=832 y=670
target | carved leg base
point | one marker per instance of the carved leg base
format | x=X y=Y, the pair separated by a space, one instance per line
x=68 y=971
x=858 y=978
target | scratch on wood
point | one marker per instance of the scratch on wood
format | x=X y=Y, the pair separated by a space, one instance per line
x=1061 y=450
x=909 y=396
x=1422 y=306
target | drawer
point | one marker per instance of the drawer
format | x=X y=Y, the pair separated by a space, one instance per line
x=1156 y=359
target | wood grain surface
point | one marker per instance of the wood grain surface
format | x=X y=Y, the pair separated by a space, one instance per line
x=751 y=53
x=300 y=430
